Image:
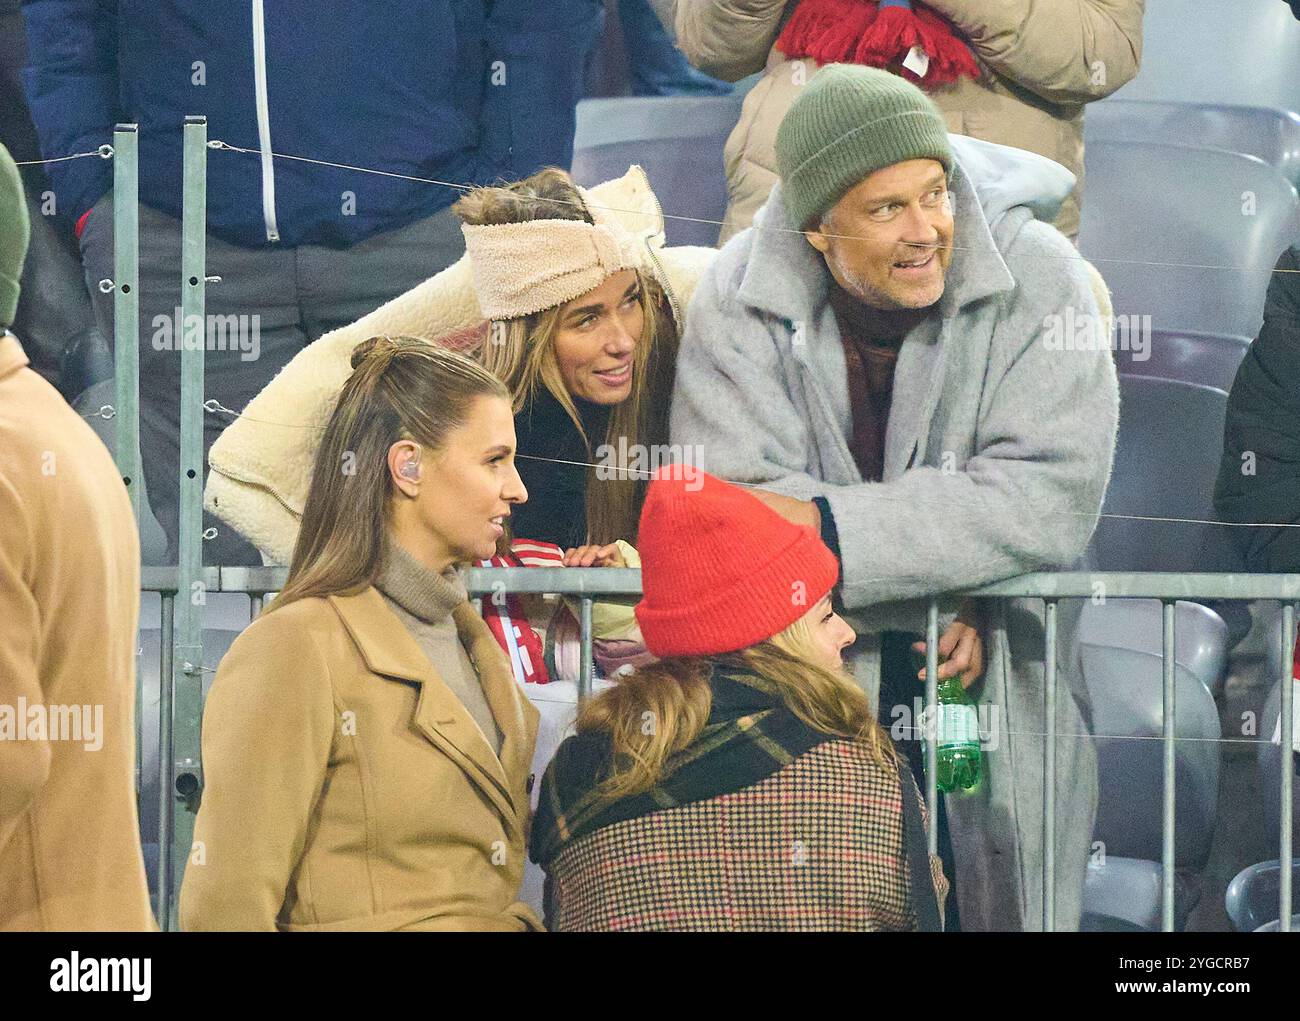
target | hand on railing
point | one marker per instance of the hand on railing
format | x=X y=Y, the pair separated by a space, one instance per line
x=961 y=645
x=595 y=556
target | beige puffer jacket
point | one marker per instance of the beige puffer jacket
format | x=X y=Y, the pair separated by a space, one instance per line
x=1046 y=59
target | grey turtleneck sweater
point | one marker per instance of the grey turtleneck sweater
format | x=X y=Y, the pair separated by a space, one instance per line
x=423 y=600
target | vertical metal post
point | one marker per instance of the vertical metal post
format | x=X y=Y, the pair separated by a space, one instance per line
x=931 y=730
x=585 y=670
x=255 y=606
x=126 y=351
x=1049 y=765
x=1288 y=736
x=187 y=699
x=1168 y=734
x=165 y=796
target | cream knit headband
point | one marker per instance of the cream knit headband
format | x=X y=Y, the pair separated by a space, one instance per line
x=522 y=268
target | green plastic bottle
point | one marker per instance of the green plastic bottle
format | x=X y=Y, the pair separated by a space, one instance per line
x=957 y=736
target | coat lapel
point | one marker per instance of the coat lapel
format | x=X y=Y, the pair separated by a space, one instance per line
x=390 y=650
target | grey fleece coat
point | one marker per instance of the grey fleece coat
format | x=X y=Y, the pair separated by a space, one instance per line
x=997 y=453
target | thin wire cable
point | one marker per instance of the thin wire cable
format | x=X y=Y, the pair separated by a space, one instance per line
x=214 y=406
x=100 y=152
x=219 y=145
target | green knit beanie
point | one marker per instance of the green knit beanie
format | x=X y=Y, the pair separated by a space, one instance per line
x=14 y=234
x=848 y=122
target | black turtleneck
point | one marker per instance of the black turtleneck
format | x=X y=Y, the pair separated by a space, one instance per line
x=556 y=510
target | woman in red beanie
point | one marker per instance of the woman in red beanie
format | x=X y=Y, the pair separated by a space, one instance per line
x=742 y=782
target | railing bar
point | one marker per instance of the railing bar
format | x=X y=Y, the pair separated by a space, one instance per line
x=931 y=728
x=1286 y=707
x=585 y=671
x=254 y=607
x=165 y=750
x=1168 y=663
x=1049 y=765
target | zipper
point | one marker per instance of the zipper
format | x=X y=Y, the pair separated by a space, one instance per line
x=263 y=122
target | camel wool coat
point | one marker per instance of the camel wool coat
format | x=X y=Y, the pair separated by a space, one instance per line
x=70 y=855
x=347 y=788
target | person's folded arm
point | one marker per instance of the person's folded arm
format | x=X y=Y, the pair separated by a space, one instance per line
x=1067 y=51
x=728 y=39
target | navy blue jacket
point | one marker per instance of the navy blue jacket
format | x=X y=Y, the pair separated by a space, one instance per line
x=465 y=91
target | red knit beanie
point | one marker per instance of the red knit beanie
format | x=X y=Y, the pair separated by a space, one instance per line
x=720 y=570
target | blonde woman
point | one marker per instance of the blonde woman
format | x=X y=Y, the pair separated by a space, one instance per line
x=365 y=745
x=584 y=339
x=518 y=275
x=743 y=782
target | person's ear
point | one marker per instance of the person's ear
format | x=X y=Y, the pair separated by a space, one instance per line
x=818 y=236
x=404 y=466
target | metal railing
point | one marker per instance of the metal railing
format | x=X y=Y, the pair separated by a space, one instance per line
x=181 y=665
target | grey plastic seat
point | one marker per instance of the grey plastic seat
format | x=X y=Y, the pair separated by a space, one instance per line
x=1200 y=635
x=1210 y=359
x=1126 y=691
x=1208 y=51
x=678 y=140
x=225 y=616
x=1268 y=133
x=1166 y=461
x=1186 y=236
x=1252 y=898
x=1123 y=895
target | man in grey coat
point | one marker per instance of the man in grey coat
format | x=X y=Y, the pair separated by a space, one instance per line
x=910 y=362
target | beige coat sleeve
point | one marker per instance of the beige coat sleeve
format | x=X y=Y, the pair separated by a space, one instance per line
x=728 y=39
x=267 y=731
x=1067 y=51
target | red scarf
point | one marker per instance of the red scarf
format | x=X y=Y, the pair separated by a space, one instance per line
x=878 y=35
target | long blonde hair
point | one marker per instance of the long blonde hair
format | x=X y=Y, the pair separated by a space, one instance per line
x=400 y=388
x=521 y=353
x=659 y=710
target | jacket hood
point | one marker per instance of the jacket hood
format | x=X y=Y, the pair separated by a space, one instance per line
x=995 y=190
x=1004 y=178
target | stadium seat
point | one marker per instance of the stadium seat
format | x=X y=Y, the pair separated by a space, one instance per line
x=224 y=617
x=1272 y=135
x=1252 y=898
x=1166 y=461
x=1206 y=51
x=1200 y=634
x=678 y=140
x=1210 y=359
x=1123 y=895
x=1186 y=236
x=1126 y=691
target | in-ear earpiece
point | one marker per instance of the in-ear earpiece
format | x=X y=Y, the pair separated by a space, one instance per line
x=410 y=469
